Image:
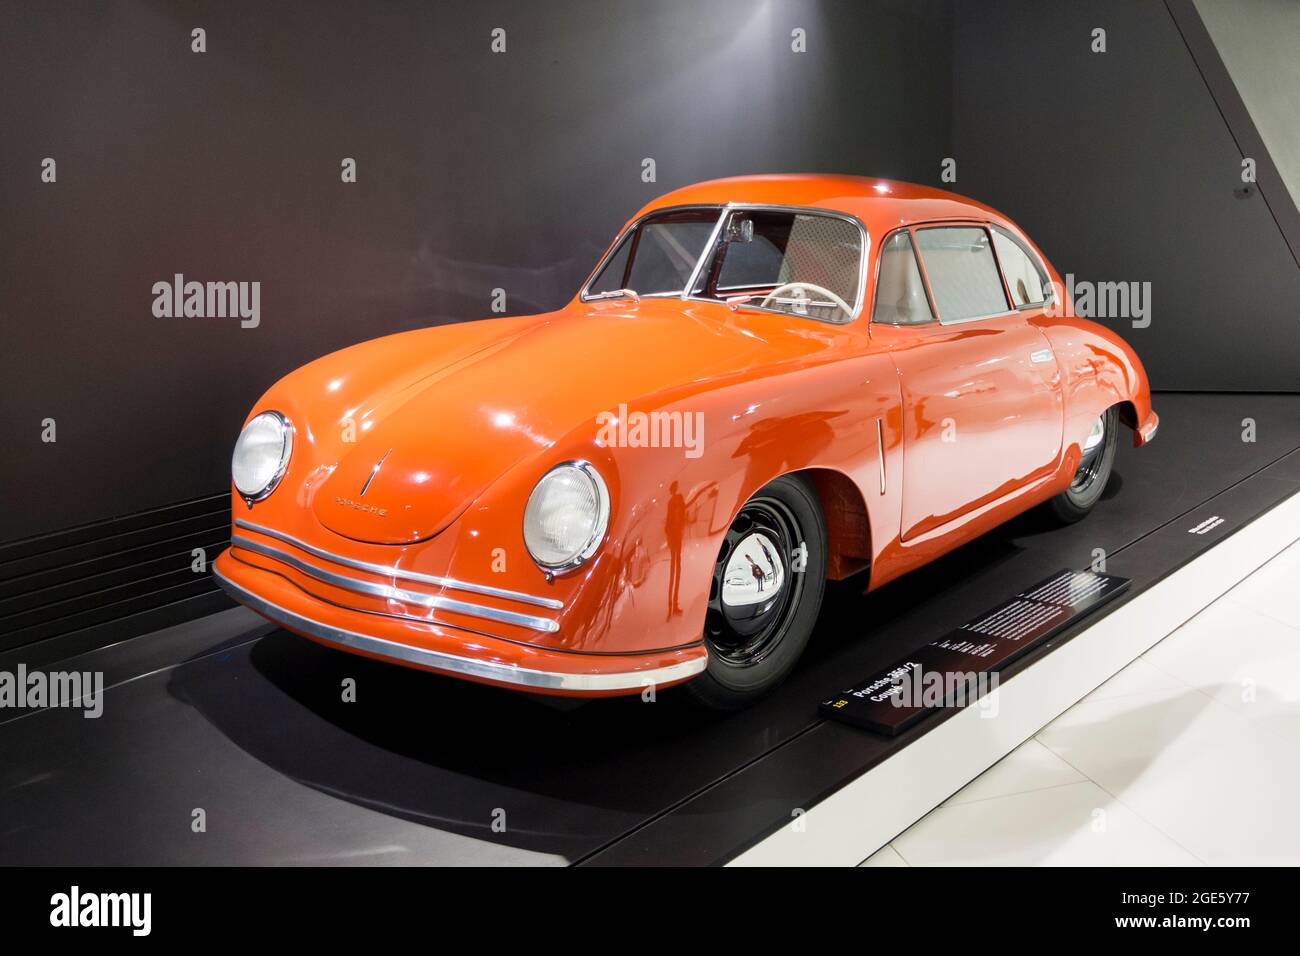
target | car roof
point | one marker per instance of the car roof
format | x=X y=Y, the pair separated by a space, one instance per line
x=881 y=204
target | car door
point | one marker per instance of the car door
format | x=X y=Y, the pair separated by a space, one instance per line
x=981 y=392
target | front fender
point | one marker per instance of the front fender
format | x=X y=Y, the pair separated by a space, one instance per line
x=647 y=587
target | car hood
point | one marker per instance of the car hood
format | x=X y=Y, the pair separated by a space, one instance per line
x=427 y=448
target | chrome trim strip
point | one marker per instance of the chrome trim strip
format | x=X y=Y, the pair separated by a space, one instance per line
x=712 y=241
x=387 y=591
x=978 y=318
x=374 y=471
x=398 y=573
x=880 y=447
x=451 y=663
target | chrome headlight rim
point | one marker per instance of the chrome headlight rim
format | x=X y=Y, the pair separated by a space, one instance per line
x=601 y=526
x=286 y=453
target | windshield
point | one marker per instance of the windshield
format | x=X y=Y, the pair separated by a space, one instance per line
x=659 y=255
x=795 y=262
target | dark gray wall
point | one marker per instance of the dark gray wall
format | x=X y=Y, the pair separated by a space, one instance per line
x=1121 y=167
x=481 y=170
x=476 y=171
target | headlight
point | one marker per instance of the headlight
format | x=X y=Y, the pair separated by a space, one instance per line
x=566 y=516
x=261 y=455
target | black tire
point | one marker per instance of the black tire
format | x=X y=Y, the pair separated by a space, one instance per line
x=754 y=641
x=1091 y=476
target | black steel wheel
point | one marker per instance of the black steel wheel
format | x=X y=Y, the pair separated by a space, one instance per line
x=764 y=595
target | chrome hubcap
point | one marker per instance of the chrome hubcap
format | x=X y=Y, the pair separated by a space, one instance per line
x=1090 y=461
x=1096 y=436
x=754 y=588
x=754 y=576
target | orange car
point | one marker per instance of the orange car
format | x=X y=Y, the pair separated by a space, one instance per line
x=767 y=381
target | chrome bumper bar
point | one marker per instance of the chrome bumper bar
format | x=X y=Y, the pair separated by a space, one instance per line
x=523 y=677
x=389 y=571
x=389 y=592
x=392 y=592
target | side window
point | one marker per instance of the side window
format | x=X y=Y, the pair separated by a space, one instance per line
x=900 y=293
x=963 y=274
x=1024 y=278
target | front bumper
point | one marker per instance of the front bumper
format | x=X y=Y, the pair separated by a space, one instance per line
x=446 y=649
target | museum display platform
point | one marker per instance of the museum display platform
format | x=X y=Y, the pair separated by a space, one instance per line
x=235 y=717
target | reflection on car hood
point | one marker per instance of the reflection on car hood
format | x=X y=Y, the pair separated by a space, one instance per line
x=427 y=448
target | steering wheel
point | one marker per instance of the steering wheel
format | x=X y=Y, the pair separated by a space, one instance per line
x=835 y=300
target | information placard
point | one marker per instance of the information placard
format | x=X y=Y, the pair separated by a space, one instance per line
x=957 y=669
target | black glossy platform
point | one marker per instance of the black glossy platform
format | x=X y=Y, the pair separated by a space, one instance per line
x=231 y=715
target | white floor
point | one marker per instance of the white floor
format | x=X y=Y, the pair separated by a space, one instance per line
x=1188 y=756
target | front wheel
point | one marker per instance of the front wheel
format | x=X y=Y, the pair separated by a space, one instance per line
x=764 y=596
x=1093 y=472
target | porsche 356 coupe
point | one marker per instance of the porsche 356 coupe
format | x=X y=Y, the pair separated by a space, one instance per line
x=767 y=382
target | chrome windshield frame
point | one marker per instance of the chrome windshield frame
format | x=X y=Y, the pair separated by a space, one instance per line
x=725 y=211
x=586 y=295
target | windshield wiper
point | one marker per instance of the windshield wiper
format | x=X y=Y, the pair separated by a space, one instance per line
x=616 y=294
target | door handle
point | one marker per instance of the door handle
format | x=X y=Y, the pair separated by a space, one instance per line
x=1041 y=356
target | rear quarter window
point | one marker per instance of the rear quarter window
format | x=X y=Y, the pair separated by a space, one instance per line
x=1025 y=277
x=963 y=274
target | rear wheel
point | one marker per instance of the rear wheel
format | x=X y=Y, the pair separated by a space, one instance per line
x=1093 y=472
x=764 y=595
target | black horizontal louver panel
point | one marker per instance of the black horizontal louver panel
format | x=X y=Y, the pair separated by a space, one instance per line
x=109 y=585
x=116 y=543
x=106 y=613
x=101 y=530
x=102 y=582
x=72 y=572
